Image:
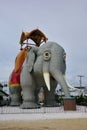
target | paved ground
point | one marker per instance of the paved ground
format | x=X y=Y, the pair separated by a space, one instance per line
x=15 y=113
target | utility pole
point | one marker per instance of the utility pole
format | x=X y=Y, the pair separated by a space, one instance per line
x=80 y=76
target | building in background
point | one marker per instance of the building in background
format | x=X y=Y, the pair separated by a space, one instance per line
x=5 y=87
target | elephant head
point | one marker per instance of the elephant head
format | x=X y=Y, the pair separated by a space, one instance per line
x=49 y=60
x=44 y=66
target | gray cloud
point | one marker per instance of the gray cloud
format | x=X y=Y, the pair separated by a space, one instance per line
x=63 y=21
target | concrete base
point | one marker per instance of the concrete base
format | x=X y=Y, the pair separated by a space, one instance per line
x=69 y=104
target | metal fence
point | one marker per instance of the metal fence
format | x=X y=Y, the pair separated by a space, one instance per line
x=18 y=110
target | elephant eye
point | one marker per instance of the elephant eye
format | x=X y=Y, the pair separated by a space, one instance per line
x=46 y=55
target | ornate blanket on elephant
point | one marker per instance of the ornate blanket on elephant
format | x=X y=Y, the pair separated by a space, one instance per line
x=20 y=59
x=15 y=75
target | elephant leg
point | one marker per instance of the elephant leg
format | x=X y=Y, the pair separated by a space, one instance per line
x=28 y=90
x=16 y=98
x=50 y=95
x=49 y=98
x=28 y=98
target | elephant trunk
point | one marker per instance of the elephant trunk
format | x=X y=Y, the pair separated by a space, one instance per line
x=59 y=77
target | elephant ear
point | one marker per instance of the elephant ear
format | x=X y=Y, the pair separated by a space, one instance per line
x=30 y=59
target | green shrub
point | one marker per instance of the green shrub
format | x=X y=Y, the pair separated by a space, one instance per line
x=81 y=100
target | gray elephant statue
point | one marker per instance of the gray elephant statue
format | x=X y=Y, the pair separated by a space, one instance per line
x=44 y=66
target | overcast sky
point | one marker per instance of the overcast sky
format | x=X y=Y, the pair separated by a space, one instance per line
x=63 y=21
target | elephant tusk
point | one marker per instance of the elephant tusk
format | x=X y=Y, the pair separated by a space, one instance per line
x=46 y=76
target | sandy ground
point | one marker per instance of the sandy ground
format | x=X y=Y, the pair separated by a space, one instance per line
x=57 y=119
x=56 y=124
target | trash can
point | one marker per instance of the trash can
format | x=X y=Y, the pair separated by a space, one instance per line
x=69 y=104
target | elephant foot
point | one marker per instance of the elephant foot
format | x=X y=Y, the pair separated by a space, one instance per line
x=15 y=104
x=29 y=105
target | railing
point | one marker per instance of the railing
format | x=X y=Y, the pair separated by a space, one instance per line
x=18 y=110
